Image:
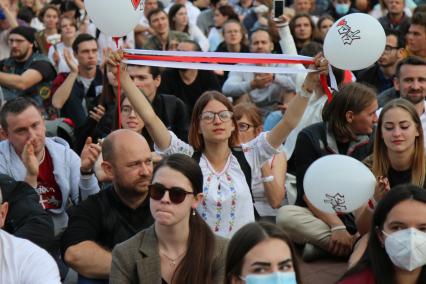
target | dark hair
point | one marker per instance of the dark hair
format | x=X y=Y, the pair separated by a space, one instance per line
x=292 y=25
x=25 y=14
x=153 y=70
x=195 y=137
x=15 y=106
x=375 y=256
x=312 y=48
x=70 y=6
x=229 y=12
x=245 y=239
x=197 y=47
x=353 y=97
x=323 y=18
x=44 y=10
x=419 y=18
x=410 y=60
x=396 y=33
x=196 y=265
x=155 y=12
x=81 y=38
x=172 y=13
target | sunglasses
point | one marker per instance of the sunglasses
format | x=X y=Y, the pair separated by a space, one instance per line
x=176 y=194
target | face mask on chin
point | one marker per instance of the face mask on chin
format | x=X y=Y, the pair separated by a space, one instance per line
x=271 y=278
x=406 y=248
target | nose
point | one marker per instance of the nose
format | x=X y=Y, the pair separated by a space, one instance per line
x=166 y=197
x=216 y=119
x=145 y=169
x=415 y=84
x=396 y=132
x=375 y=119
x=132 y=113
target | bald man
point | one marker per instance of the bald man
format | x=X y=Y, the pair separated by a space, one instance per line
x=114 y=214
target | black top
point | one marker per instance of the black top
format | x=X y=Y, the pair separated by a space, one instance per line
x=104 y=219
x=171 y=83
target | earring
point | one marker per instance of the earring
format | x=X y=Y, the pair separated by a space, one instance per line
x=193 y=212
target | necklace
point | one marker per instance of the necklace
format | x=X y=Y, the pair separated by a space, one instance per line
x=172 y=260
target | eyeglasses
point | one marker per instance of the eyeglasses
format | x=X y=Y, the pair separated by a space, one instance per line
x=176 y=194
x=389 y=48
x=126 y=110
x=209 y=116
x=243 y=127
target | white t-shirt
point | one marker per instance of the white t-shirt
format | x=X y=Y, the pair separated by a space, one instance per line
x=227 y=204
x=22 y=262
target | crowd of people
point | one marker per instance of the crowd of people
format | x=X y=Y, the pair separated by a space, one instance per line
x=196 y=176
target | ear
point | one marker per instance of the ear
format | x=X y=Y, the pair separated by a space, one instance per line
x=349 y=116
x=108 y=170
x=157 y=81
x=3 y=212
x=3 y=133
x=197 y=200
x=396 y=84
x=259 y=130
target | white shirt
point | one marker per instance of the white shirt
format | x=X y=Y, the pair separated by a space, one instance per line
x=227 y=204
x=22 y=262
x=62 y=66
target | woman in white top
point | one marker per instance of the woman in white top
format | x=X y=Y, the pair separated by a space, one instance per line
x=68 y=27
x=267 y=180
x=228 y=202
x=178 y=20
x=220 y=16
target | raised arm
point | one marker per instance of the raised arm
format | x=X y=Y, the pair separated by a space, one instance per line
x=297 y=106
x=156 y=128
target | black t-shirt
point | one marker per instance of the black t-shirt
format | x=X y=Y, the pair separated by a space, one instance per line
x=172 y=84
x=46 y=70
x=104 y=219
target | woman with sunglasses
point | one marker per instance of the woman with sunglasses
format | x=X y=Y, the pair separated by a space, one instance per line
x=228 y=203
x=268 y=181
x=180 y=247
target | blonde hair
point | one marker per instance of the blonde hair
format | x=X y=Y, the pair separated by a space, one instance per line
x=381 y=163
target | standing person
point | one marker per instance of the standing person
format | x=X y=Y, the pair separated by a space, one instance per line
x=395 y=19
x=114 y=214
x=348 y=123
x=180 y=247
x=268 y=182
x=179 y=21
x=49 y=16
x=213 y=135
x=396 y=251
x=68 y=28
x=261 y=253
x=302 y=28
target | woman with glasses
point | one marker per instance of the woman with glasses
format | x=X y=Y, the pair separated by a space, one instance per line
x=268 y=180
x=180 y=247
x=228 y=203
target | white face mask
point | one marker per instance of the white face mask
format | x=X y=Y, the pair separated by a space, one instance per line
x=271 y=278
x=406 y=248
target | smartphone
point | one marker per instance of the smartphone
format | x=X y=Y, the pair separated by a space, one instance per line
x=278 y=8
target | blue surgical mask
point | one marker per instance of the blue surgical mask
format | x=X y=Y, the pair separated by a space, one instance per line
x=271 y=278
x=342 y=9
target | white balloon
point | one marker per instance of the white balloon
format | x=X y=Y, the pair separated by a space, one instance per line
x=115 y=18
x=354 y=42
x=338 y=183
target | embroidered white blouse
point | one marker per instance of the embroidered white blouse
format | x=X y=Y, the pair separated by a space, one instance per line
x=227 y=204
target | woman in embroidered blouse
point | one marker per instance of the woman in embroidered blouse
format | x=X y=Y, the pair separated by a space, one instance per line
x=227 y=205
x=180 y=247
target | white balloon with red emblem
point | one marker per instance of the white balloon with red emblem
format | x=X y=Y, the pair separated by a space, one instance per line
x=338 y=183
x=115 y=18
x=354 y=42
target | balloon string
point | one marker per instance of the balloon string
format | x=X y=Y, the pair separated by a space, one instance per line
x=118 y=87
x=216 y=59
x=323 y=80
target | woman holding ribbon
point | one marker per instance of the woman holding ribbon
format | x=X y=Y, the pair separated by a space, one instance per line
x=213 y=138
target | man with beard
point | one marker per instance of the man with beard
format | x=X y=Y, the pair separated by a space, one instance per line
x=26 y=72
x=409 y=83
x=381 y=74
x=114 y=214
x=188 y=84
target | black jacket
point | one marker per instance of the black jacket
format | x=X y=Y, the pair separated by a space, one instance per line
x=26 y=218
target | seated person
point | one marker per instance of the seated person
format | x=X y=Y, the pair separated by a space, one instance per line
x=347 y=127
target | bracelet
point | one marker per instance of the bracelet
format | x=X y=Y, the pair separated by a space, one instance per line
x=338 y=228
x=91 y=172
x=371 y=205
x=304 y=93
x=268 y=179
